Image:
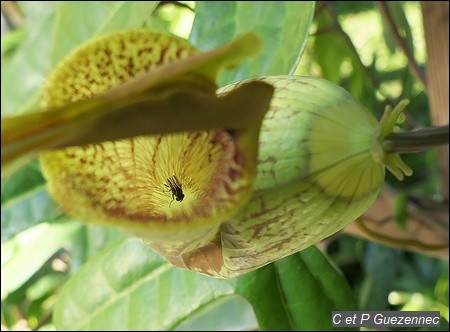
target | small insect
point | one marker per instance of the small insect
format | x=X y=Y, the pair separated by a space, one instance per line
x=176 y=189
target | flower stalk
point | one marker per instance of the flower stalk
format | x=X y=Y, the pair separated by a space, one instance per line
x=416 y=140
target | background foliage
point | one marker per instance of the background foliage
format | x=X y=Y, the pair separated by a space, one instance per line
x=60 y=273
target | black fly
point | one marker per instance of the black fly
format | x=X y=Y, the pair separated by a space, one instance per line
x=175 y=187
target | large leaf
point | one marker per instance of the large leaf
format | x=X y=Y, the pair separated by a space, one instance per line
x=39 y=242
x=233 y=313
x=282 y=25
x=54 y=30
x=25 y=201
x=300 y=292
x=89 y=241
x=129 y=287
x=26 y=70
x=77 y=23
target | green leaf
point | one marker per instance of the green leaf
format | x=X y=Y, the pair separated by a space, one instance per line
x=89 y=241
x=300 y=292
x=381 y=265
x=54 y=30
x=330 y=49
x=270 y=310
x=339 y=60
x=25 y=201
x=282 y=25
x=128 y=14
x=77 y=23
x=235 y=313
x=45 y=285
x=10 y=42
x=26 y=70
x=127 y=286
x=40 y=243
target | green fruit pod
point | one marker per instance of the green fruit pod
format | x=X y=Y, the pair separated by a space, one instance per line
x=320 y=166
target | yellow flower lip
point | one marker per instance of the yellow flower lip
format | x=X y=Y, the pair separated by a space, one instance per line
x=130 y=180
x=163 y=187
x=109 y=61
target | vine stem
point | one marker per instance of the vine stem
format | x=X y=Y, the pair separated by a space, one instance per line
x=395 y=242
x=413 y=65
x=416 y=140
